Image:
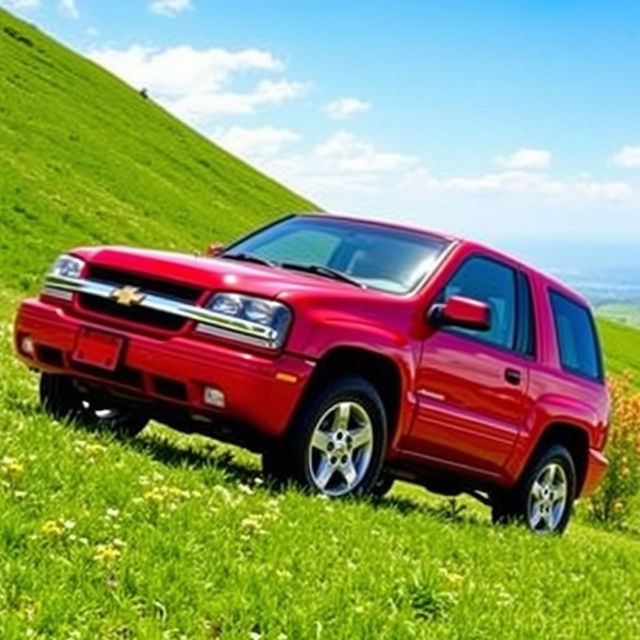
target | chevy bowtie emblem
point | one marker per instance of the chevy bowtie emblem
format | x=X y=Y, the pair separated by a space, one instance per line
x=128 y=296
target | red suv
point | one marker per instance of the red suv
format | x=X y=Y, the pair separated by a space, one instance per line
x=348 y=352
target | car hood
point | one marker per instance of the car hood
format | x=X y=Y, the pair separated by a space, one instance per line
x=219 y=274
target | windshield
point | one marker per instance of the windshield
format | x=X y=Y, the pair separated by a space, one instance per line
x=384 y=258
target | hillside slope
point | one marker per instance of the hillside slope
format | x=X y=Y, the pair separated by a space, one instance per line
x=86 y=159
x=621 y=345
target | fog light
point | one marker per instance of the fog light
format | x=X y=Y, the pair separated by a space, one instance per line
x=26 y=346
x=214 y=397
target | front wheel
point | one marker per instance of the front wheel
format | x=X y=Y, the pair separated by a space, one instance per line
x=383 y=485
x=339 y=439
x=60 y=398
x=544 y=498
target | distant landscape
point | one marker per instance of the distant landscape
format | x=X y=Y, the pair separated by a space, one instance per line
x=609 y=275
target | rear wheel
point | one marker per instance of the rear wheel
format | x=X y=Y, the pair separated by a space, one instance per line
x=60 y=397
x=544 y=498
x=338 y=440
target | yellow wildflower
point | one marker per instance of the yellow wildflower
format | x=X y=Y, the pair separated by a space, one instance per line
x=154 y=495
x=453 y=578
x=94 y=449
x=53 y=528
x=175 y=493
x=106 y=554
x=12 y=467
x=253 y=524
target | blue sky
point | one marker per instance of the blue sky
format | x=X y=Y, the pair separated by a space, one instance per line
x=504 y=120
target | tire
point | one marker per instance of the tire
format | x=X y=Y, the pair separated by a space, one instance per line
x=338 y=439
x=383 y=485
x=62 y=400
x=275 y=467
x=543 y=499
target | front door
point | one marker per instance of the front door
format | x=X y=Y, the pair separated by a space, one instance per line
x=471 y=385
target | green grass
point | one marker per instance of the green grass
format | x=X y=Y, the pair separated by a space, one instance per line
x=621 y=313
x=171 y=536
x=622 y=348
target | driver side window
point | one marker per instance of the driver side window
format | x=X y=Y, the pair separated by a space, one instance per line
x=494 y=283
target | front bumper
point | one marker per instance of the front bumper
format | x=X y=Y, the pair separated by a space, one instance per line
x=596 y=468
x=259 y=391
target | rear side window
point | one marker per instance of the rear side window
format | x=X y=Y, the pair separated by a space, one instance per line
x=577 y=341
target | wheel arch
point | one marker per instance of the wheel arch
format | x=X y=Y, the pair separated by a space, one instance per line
x=572 y=436
x=379 y=370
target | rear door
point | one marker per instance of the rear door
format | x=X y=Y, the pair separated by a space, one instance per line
x=471 y=385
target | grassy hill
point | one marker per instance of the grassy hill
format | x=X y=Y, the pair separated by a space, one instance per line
x=169 y=536
x=86 y=159
x=621 y=313
x=622 y=348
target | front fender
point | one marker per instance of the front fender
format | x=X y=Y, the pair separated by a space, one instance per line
x=323 y=333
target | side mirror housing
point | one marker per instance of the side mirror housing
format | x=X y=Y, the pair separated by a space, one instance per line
x=214 y=250
x=459 y=311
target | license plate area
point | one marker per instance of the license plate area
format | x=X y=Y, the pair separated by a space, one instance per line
x=98 y=349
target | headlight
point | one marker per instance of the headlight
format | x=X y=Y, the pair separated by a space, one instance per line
x=229 y=305
x=261 y=311
x=247 y=318
x=67 y=267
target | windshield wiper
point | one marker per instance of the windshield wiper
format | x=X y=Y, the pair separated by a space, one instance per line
x=247 y=257
x=327 y=272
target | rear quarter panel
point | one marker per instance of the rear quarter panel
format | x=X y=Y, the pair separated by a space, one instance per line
x=556 y=396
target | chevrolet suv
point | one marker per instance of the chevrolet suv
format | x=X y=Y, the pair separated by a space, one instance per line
x=349 y=353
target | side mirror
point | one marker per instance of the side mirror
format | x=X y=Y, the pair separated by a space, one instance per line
x=214 y=250
x=459 y=311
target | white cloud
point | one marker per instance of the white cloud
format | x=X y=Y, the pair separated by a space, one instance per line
x=347 y=153
x=17 y=5
x=198 y=106
x=342 y=162
x=170 y=8
x=346 y=107
x=195 y=83
x=345 y=172
x=527 y=159
x=523 y=183
x=256 y=143
x=628 y=157
x=69 y=8
x=182 y=69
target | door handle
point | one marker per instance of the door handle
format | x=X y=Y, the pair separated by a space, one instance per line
x=512 y=376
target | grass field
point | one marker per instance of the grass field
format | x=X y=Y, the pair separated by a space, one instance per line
x=171 y=536
x=621 y=313
x=622 y=348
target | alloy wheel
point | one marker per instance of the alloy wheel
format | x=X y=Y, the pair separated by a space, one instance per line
x=340 y=448
x=548 y=499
